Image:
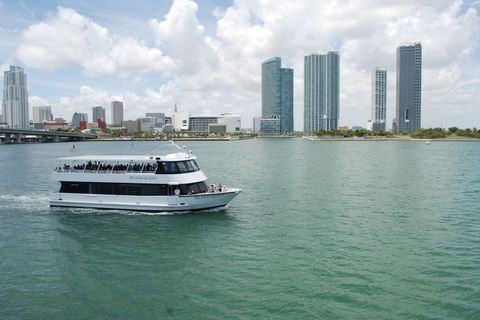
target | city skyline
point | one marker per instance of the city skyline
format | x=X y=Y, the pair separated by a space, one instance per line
x=79 y=55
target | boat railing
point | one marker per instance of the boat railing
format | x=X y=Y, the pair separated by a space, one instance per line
x=101 y=171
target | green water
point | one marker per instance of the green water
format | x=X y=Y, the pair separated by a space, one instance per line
x=322 y=230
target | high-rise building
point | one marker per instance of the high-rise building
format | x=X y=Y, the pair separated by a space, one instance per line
x=77 y=118
x=15 y=99
x=321 y=92
x=408 y=114
x=277 y=93
x=379 y=99
x=98 y=113
x=117 y=113
x=42 y=113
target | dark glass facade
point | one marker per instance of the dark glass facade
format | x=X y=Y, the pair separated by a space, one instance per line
x=408 y=115
x=277 y=93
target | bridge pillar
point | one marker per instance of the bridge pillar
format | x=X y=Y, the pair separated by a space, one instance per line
x=7 y=137
x=44 y=138
x=55 y=138
x=18 y=137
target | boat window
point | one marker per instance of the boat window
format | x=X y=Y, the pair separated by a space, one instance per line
x=134 y=189
x=175 y=167
x=194 y=165
x=74 y=187
x=181 y=166
x=105 y=188
x=93 y=188
x=170 y=167
x=160 y=169
x=149 y=190
x=189 y=166
x=121 y=188
x=199 y=187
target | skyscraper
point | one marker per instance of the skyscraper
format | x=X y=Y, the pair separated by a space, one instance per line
x=98 y=113
x=379 y=98
x=77 y=117
x=408 y=114
x=42 y=113
x=277 y=94
x=117 y=113
x=15 y=99
x=321 y=92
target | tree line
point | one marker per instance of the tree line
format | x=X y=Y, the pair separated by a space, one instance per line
x=353 y=133
x=433 y=133
x=421 y=133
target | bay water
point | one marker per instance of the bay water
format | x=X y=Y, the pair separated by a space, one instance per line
x=322 y=230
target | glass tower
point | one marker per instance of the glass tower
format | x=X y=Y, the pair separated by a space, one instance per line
x=277 y=93
x=409 y=88
x=379 y=98
x=98 y=114
x=321 y=92
x=15 y=99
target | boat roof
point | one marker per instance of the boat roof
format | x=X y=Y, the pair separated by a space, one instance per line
x=173 y=156
x=167 y=151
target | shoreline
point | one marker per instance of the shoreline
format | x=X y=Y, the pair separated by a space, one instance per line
x=389 y=139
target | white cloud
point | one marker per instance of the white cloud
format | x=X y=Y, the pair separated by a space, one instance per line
x=71 y=38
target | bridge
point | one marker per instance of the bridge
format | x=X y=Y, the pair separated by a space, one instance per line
x=44 y=136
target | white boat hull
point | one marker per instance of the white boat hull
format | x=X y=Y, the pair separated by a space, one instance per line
x=193 y=202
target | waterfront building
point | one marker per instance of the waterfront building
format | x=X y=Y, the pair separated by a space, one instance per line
x=15 y=108
x=147 y=124
x=180 y=119
x=77 y=118
x=98 y=113
x=131 y=125
x=200 y=123
x=277 y=93
x=408 y=113
x=160 y=122
x=379 y=100
x=117 y=113
x=56 y=124
x=270 y=125
x=160 y=119
x=203 y=122
x=321 y=92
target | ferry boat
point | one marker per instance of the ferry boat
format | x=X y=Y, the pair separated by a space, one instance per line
x=169 y=182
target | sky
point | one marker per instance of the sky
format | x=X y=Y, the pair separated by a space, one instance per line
x=205 y=56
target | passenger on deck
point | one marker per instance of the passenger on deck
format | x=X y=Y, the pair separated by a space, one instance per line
x=177 y=191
